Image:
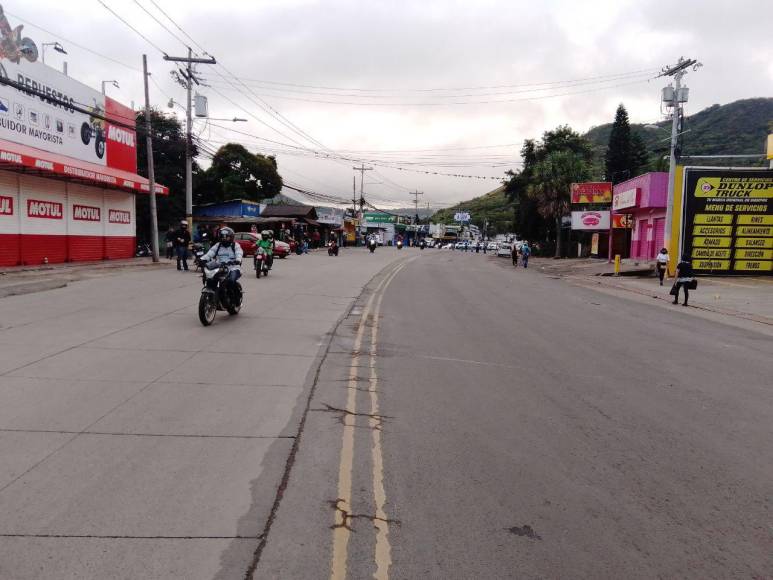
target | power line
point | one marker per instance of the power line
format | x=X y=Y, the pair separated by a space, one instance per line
x=460 y=95
x=161 y=24
x=137 y=32
x=647 y=70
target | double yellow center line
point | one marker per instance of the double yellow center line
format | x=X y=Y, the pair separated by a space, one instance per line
x=342 y=529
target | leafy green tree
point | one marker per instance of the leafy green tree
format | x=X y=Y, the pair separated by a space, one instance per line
x=236 y=173
x=169 y=169
x=626 y=154
x=533 y=222
x=551 y=182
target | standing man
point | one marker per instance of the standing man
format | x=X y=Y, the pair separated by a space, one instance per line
x=182 y=237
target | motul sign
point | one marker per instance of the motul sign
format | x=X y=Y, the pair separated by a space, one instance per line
x=118 y=216
x=6 y=205
x=86 y=213
x=120 y=135
x=44 y=209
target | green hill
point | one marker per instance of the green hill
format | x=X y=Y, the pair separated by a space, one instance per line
x=493 y=207
x=736 y=128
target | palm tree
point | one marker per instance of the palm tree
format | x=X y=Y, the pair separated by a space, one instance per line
x=551 y=184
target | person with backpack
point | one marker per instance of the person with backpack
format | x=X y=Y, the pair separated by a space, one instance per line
x=525 y=253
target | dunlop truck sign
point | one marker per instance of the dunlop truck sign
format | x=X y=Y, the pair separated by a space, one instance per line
x=728 y=220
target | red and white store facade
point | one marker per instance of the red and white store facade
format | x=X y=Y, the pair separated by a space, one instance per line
x=68 y=170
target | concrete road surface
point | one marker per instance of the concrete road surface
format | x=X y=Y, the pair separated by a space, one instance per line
x=137 y=444
x=474 y=421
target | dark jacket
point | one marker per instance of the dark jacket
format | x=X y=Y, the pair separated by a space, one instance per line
x=182 y=234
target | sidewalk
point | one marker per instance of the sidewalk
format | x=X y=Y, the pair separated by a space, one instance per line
x=749 y=298
x=18 y=280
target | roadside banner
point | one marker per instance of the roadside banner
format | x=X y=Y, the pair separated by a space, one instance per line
x=591 y=192
x=728 y=220
x=622 y=221
x=590 y=220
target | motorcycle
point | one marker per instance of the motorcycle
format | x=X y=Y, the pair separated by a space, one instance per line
x=422 y=245
x=399 y=244
x=332 y=248
x=143 y=250
x=372 y=245
x=217 y=294
x=95 y=128
x=261 y=263
x=198 y=253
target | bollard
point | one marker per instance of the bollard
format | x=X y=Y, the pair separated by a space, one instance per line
x=617 y=264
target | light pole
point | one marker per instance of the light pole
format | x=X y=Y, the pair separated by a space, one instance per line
x=57 y=47
x=114 y=83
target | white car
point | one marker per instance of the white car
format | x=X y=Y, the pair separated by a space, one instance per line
x=504 y=250
x=492 y=247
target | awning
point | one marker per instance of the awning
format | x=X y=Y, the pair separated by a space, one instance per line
x=17 y=157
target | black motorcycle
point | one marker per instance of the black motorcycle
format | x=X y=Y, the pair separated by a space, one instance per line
x=332 y=248
x=372 y=245
x=217 y=293
x=143 y=250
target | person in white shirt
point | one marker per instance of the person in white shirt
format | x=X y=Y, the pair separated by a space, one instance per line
x=227 y=251
x=661 y=262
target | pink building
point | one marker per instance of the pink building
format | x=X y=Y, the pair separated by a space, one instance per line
x=644 y=198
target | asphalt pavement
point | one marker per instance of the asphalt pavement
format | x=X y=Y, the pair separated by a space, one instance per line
x=471 y=420
x=407 y=414
x=135 y=443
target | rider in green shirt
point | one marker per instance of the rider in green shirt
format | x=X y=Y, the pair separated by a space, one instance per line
x=266 y=243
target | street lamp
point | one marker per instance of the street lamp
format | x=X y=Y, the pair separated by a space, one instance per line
x=57 y=47
x=114 y=83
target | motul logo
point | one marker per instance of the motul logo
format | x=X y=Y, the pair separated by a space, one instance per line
x=6 y=205
x=117 y=216
x=44 y=209
x=120 y=136
x=86 y=213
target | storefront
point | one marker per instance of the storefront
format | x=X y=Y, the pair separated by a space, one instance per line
x=644 y=199
x=68 y=169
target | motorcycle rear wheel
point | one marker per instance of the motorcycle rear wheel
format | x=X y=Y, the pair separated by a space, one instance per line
x=207 y=309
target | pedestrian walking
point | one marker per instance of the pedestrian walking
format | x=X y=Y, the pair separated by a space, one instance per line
x=525 y=253
x=169 y=239
x=514 y=255
x=684 y=280
x=182 y=239
x=661 y=263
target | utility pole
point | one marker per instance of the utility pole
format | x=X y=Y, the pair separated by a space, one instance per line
x=674 y=97
x=362 y=169
x=416 y=195
x=190 y=78
x=151 y=170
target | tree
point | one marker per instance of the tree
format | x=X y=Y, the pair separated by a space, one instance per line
x=236 y=173
x=169 y=169
x=531 y=221
x=626 y=154
x=551 y=183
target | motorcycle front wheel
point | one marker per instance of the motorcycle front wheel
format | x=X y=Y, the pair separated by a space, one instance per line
x=207 y=308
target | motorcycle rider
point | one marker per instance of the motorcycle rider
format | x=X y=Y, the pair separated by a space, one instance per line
x=227 y=251
x=266 y=243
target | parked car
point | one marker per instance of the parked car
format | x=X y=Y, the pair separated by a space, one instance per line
x=461 y=245
x=504 y=250
x=248 y=241
x=492 y=247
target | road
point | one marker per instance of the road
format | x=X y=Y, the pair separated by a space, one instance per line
x=135 y=443
x=475 y=421
x=406 y=414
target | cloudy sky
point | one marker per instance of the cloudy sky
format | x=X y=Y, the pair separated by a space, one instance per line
x=441 y=86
